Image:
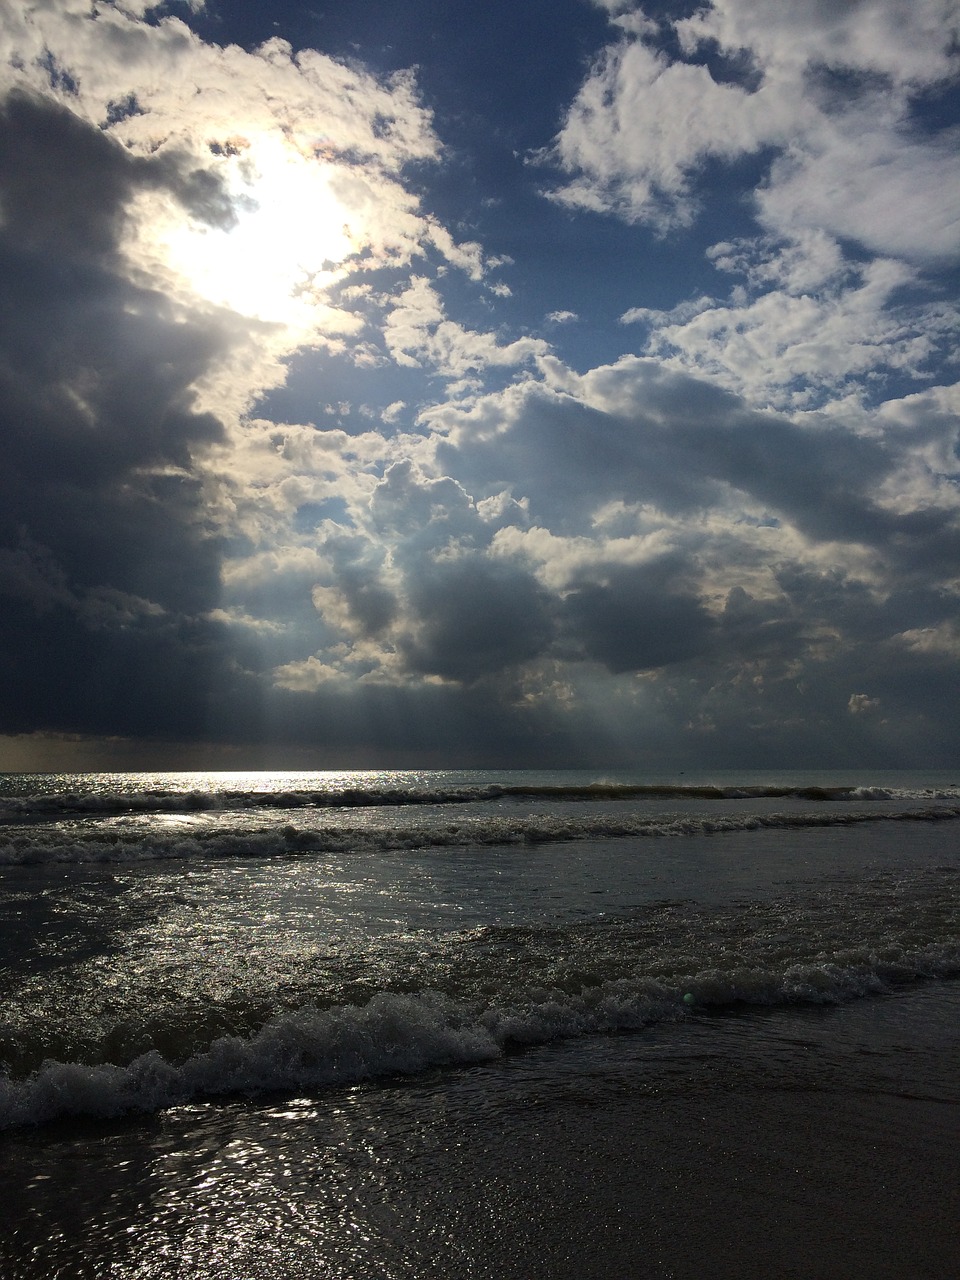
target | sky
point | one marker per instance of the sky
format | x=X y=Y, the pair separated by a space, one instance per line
x=534 y=383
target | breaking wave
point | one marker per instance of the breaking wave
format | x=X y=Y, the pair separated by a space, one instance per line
x=408 y=1034
x=81 y=843
x=193 y=800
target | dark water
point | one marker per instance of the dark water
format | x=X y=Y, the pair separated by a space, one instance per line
x=481 y=1025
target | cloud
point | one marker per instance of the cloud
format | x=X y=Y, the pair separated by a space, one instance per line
x=305 y=677
x=327 y=501
x=636 y=431
x=640 y=125
x=638 y=618
x=418 y=333
x=828 y=91
x=107 y=564
x=130 y=468
x=860 y=704
x=86 y=210
x=130 y=75
x=834 y=300
x=664 y=552
x=912 y=42
x=294 y=161
x=891 y=193
x=475 y=617
x=808 y=328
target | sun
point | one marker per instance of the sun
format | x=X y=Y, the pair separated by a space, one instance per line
x=287 y=243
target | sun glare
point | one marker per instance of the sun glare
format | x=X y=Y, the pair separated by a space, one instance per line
x=286 y=245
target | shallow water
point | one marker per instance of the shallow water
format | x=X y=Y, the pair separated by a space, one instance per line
x=477 y=1025
x=785 y=1142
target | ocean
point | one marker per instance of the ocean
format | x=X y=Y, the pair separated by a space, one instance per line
x=404 y=1024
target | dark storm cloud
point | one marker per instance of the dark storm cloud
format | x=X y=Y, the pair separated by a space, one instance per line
x=105 y=561
x=357 y=566
x=808 y=712
x=64 y=183
x=475 y=617
x=429 y=725
x=451 y=608
x=822 y=479
x=635 y=618
x=682 y=444
x=462 y=608
x=795 y=655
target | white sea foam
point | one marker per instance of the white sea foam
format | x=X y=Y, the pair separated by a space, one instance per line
x=314 y=1048
x=78 y=842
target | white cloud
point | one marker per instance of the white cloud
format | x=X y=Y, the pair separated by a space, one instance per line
x=808 y=260
x=467 y=256
x=191 y=93
x=816 y=334
x=860 y=704
x=558 y=560
x=246 y=621
x=939 y=641
x=829 y=87
x=418 y=334
x=892 y=194
x=911 y=41
x=393 y=411
x=641 y=124
x=292 y=161
x=306 y=676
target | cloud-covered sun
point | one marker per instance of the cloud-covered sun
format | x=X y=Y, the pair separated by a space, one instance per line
x=285 y=245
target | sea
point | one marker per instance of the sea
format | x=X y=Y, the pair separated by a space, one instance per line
x=392 y=1025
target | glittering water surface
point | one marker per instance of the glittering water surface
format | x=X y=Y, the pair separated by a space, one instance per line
x=735 y=1135
x=371 y=1025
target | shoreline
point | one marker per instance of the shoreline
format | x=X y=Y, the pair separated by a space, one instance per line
x=796 y=1143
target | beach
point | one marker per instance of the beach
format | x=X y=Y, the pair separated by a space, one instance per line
x=726 y=1046
x=749 y=1148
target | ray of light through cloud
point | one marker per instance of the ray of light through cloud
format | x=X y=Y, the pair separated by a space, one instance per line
x=367 y=398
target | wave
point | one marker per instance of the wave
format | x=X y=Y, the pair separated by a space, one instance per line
x=407 y=1034
x=77 y=843
x=193 y=800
